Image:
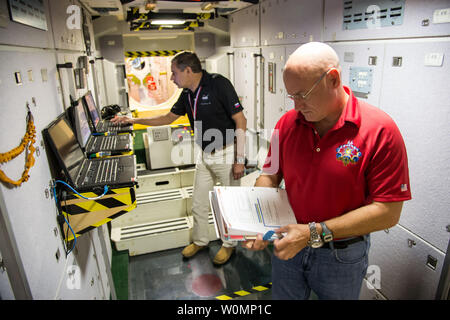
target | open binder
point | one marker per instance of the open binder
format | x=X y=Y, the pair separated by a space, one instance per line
x=240 y=213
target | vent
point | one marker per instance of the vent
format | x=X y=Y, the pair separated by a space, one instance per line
x=154 y=228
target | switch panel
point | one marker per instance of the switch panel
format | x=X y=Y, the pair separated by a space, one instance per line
x=361 y=79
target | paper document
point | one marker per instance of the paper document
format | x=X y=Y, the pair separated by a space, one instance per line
x=240 y=213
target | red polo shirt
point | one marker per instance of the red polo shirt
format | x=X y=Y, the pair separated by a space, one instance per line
x=360 y=160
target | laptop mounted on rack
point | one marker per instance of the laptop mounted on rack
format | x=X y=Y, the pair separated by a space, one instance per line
x=99 y=125
x=111 y=144
x=82 y=173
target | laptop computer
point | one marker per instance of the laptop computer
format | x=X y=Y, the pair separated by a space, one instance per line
x=112 y=145
x=82 y=173
x=97 y=124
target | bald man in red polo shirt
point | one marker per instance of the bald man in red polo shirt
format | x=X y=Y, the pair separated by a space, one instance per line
x=345 y=170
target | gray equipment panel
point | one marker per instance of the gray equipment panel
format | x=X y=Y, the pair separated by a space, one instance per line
x=367 y=14
x=398 y=249
x=419 y=19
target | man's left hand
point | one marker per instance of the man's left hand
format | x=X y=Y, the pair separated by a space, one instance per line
x=296 y=238
x=238 y=171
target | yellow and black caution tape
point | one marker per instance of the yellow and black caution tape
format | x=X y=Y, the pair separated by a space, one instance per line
x=243 y=293
x=26 y=144
x=85 y=215
x=159 y=53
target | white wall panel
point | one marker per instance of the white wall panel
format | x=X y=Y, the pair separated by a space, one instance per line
x=32 y=215
x=244 y=27
x=274 y=101
x=80 y=279
x=417 y=97
x=290 y=21
x=402 y=258
x=417 y=22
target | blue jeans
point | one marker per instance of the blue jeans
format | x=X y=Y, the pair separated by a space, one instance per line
x=330 y=273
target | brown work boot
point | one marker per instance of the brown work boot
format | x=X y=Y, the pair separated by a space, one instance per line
x=191 y=250
x=223 y=255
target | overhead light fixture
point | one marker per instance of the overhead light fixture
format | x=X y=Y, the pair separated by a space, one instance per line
x=168 y=22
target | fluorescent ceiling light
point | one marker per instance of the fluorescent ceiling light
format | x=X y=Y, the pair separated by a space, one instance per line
x=168 y=21
x=158 y=38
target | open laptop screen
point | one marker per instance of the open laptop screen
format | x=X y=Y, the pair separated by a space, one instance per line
x=67 y=148
x=91 y=107
x=82 y=124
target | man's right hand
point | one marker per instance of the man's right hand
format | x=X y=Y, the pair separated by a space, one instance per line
x=121 y=120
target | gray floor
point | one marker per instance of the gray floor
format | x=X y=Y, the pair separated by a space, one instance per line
x=167 y=275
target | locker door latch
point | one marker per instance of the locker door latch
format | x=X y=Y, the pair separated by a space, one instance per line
x=411 y=243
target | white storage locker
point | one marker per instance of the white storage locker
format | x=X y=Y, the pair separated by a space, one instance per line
x=357 y=60
x=14 y=33
x=165 y=180
x=247 y=81
x=154 y=206
x=274 y=91
x=409 y=267
x=417 y=97
x=418 y=19
x=244 y=27
x=290 y=21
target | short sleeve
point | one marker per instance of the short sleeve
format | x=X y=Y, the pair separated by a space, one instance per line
x=179 y=108
x=388 y=174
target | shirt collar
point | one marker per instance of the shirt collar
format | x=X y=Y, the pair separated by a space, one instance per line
x=350 y=114
x=203 y=81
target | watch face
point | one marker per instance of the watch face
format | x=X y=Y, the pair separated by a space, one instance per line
x=316 y=243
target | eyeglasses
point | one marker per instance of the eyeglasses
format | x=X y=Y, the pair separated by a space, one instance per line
x=301 y=96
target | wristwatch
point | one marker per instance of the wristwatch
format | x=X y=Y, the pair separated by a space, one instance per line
x=315 y=241
x=240 y=160
x=327 y=235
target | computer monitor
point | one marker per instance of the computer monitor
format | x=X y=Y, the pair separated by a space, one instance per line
x=81 y=124
x=90 y=103
x=65 y=145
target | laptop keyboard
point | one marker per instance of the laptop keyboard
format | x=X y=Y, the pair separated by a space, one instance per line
x=102 y=171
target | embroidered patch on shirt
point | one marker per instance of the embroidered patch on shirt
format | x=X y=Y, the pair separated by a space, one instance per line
x=237 y=105
x=404 y=187
x=348 y=153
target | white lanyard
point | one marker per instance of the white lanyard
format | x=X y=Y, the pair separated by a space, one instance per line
x=194 y=111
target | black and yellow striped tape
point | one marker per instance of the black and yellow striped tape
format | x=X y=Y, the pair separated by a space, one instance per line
x=243 y=293
x=85 y=215
x=159 y=53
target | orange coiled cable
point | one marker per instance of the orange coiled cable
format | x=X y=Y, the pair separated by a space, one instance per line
x=26 y=144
